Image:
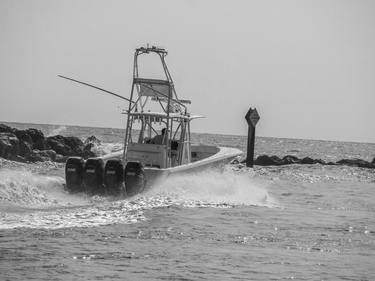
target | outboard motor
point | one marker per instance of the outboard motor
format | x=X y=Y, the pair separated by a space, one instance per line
x=135 y=178
x=74 y=173
x=93 y=176
x=114 y=176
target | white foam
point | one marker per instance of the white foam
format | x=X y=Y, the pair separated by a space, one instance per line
x=214 y=187
x=22 y=188
x=57 y=131
x=106 y=148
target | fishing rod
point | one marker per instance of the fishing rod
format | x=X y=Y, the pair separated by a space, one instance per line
x=92 y=86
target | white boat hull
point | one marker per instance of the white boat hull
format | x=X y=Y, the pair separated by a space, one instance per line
x=223 y=156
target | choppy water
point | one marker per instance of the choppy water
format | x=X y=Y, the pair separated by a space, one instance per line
x=302 y=222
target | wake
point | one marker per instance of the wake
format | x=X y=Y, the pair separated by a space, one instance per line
x=213 y=188
x=40 y=201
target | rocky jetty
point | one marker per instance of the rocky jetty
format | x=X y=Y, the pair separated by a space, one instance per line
x=265 y=160
x=31 y=145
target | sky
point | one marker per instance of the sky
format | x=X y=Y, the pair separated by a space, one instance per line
x=307 y=66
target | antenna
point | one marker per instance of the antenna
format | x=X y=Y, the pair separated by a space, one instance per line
x=95 y=87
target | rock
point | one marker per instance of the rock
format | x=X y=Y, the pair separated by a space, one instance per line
x=26 y=142
x=307 y=160
x=25 y=148
x=60 y=158
x=19 y=159
x=31 y=145
x=87 y=152
x=277 y=160
x=265 y=160
x=90 y=143
x=92 y=140
x=41 y=155
x=290 y=159
x=51 y=154
x=75 y=144
x=320 y=161
x=35 y=157
x=354 y=162
x=9 y=145
x=38 y=138
x=66 y=146
x=46 y=154
x=58 y=145
x=22 y=135
x=6 y=129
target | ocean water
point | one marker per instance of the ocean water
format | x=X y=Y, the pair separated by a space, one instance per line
x=295 y=222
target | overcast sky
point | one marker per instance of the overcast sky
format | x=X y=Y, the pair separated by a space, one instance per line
x=307 y=66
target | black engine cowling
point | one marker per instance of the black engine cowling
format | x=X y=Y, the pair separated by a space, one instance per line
x=135 y=178
x=114 y=176
x=93 y=176
x=74 y=174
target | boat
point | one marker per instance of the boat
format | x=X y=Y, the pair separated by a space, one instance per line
x=148 y=154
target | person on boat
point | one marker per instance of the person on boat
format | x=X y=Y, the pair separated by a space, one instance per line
x=160 y=139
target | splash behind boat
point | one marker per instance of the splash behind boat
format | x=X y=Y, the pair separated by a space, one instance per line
x=147 y=155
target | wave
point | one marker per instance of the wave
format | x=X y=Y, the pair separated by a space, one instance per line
x=57 y=131
x=23 y=189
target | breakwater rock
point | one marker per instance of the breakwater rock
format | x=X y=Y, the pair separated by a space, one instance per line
x=31 y=145
x=265 y=160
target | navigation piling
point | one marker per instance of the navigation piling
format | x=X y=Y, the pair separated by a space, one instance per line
x=252 y=117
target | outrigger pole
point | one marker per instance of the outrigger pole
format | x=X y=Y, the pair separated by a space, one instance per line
x=92 y=86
